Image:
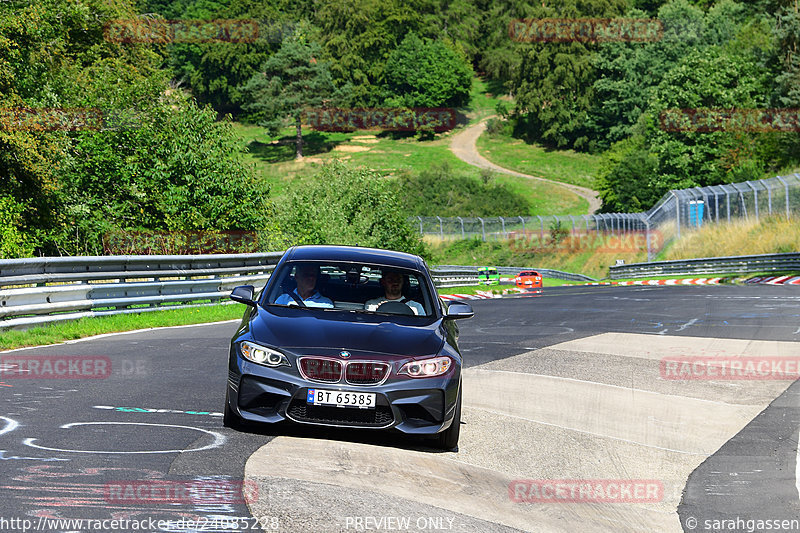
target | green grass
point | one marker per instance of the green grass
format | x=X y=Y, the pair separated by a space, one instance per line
x=560 y=165
x=388 y=155
x=87 y=327
x=484 y=97
x=391 y=153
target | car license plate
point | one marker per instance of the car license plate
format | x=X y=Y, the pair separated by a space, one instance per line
x=362 y=400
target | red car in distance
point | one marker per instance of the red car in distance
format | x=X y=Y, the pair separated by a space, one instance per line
x=528 y=279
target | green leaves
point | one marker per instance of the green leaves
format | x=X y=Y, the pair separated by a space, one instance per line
x=344 y=205
x=425 y=73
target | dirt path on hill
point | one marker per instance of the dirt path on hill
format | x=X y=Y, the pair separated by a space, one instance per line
x=463 y=146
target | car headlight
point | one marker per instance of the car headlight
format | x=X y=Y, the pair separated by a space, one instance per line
x=262 y=355
x=426 y=368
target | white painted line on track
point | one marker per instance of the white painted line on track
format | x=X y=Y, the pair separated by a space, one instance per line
x=219 y=439
x=103 y=335
x=797 y=469
x=10 y=426
x=583 y=381
x=585 y=432
x=689 y=323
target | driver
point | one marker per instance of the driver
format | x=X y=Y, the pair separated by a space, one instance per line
x=306 y=276
x=392 y=283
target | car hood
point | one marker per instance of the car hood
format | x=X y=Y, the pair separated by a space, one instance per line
x=319 y=332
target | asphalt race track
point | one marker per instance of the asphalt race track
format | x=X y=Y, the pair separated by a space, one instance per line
x=565 y=393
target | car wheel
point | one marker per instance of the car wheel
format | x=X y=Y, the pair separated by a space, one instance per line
x=229 y=418
x=448 y=439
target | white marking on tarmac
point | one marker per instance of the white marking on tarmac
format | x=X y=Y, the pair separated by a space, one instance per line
x=583 y=381
x=797 y=470
x=219 y=439
x=684 y=326
x=10 y=426
x=629 y=441
x=103 y=335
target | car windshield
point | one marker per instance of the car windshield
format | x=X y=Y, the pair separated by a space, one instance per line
x=366 y=288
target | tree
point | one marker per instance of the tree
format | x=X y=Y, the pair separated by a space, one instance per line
x=626 y=176
x=358 y=36
x=290 y=81
x=345 y=205
x=553 y=84
x=629 y=72
x=426 y=73
x=215 y=71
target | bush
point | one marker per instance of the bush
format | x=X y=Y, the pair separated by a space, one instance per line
x=436 y=191
x=177 y=169
x=13 y=241
x=345 y=205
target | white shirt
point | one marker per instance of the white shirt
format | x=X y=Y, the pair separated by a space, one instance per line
x=372 y=305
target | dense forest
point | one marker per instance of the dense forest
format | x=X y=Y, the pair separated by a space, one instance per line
x=165 y=158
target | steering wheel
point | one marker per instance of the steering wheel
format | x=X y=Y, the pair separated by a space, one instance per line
x=395 y=308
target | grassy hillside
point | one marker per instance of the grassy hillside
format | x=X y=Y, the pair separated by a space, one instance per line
x=559 y=165
x=592 y=255
x=742 y=237
x=394 y=154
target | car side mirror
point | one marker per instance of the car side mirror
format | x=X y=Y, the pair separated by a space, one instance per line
x=459 y=310
x=244 y=295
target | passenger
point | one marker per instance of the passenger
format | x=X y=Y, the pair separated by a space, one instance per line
x=306 y=290
x=392 y=283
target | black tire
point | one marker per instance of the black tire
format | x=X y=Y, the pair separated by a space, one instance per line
x=229 y=418
x=448 y=439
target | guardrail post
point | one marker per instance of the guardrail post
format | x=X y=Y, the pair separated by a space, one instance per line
x=523 y=225
x=462 y=226
x=541 y=229
x=573 y=223
x=728 y=201
x=483 y=229
x=786 y=188
x=441 y=228
x=755 y=197
x=503 y=226
x=769 y=198
x=677 y=214
x=420 y=226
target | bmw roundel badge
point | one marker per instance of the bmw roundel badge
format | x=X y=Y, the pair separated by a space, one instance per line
x=344 y=353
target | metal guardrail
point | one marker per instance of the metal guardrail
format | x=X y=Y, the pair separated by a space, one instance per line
x=55 y=289
x=714 y=265
x=513 y=271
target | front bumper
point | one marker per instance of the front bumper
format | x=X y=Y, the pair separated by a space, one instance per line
x=418 y=406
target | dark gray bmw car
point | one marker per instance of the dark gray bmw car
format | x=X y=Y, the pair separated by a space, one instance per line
x=348 y=337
